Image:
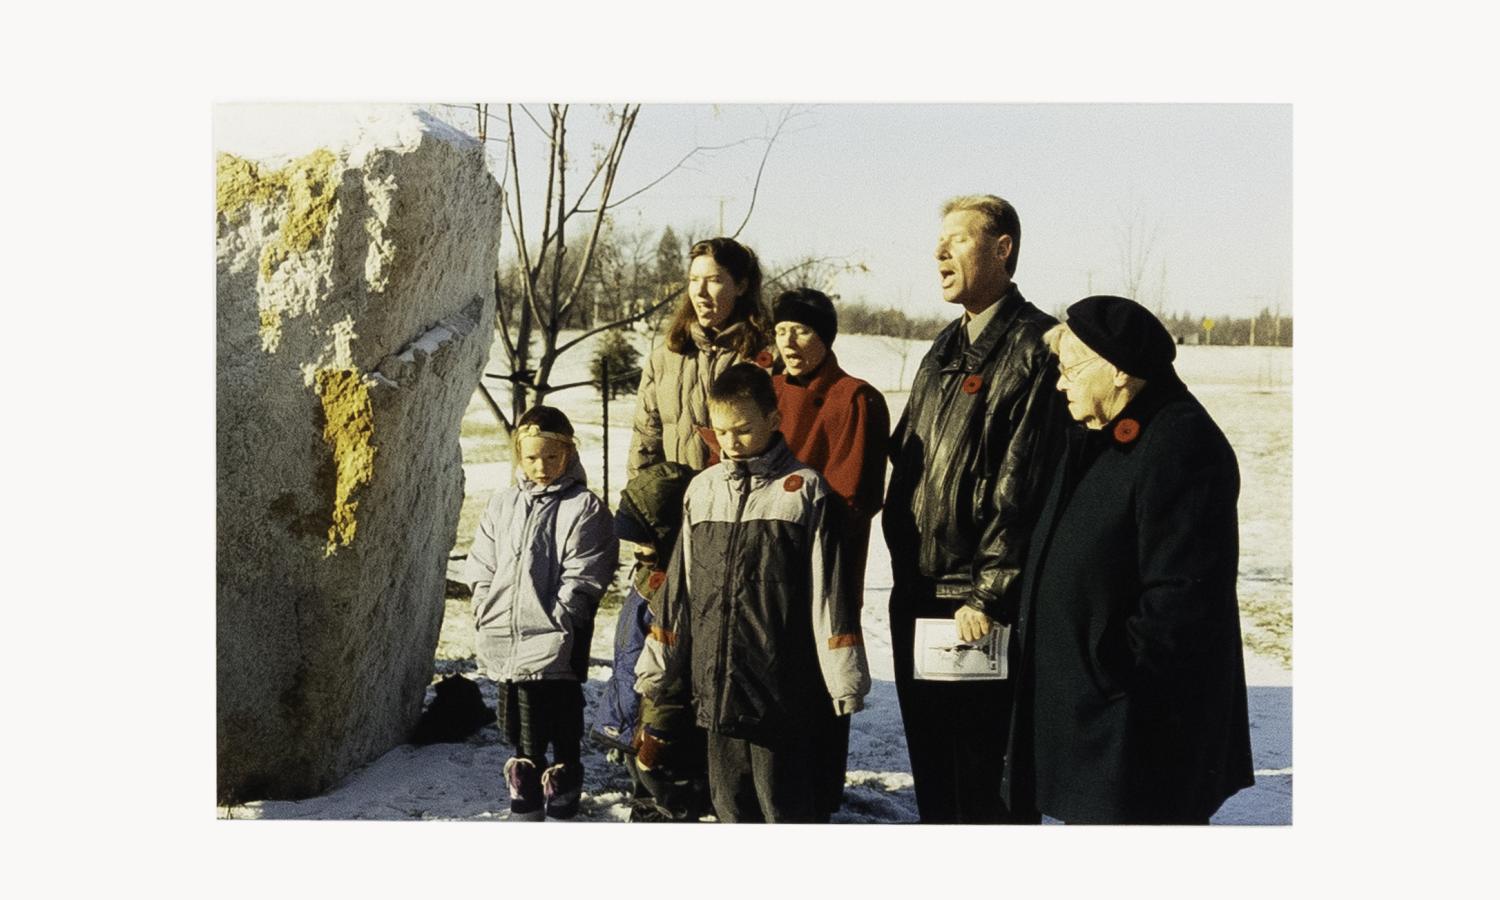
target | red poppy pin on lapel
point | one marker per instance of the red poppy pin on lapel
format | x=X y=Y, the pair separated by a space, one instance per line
x=764 y=359
x=792 y=484
x=972 y=384
x=657 y=579
x=1127 y=430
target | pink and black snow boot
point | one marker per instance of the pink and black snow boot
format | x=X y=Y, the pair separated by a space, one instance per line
x=562 y=784
x=526 y=800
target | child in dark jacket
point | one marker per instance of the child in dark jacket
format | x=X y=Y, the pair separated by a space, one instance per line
x=757 y=615
x=544 y=553
x=661 y=745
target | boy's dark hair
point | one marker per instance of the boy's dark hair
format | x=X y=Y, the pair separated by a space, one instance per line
x=744 y=381
x=547 y=418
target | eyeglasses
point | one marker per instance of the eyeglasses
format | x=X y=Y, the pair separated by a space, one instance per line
x=1067 y=372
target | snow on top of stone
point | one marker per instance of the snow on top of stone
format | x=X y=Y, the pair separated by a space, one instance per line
x=280 y=132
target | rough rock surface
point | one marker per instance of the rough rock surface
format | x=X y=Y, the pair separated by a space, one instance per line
x=355 y=296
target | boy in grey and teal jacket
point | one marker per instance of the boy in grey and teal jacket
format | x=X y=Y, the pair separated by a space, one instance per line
x=758 y=614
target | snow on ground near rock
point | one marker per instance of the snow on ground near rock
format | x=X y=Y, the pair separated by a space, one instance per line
x=1248 y=391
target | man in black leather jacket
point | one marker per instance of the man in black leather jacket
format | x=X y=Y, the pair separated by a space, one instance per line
x=981 y=429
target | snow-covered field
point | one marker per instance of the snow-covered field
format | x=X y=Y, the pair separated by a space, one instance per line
x=1248 y=391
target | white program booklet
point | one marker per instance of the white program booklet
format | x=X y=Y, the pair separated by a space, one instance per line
x=941 y=656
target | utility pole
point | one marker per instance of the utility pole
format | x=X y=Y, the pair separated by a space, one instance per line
x=722 y=201
x=604 y=384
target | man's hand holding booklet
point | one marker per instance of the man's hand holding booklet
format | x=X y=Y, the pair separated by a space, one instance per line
x=939 y=655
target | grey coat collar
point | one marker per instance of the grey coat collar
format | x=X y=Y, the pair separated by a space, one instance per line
x=574 y=474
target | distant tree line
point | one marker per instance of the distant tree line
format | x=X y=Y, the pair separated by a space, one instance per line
x=643 y=272
x=634 y=272
x=858 y=318
x=1265 y=329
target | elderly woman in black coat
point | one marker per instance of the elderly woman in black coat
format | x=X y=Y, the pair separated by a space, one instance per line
x=1130 y=699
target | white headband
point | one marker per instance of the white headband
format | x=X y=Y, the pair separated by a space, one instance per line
x=530 y=431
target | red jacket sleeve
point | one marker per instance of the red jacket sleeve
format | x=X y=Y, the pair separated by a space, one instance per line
x=858 y=451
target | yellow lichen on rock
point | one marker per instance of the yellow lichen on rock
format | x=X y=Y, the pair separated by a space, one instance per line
x=348 y=427
x=307 y=187
x=270 y=329
x=240 y=184
x=310 y=201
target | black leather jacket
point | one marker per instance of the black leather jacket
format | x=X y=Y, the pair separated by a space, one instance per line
x=980 y=432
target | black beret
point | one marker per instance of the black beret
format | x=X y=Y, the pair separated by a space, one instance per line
x=1125 y=333
x=811 y=308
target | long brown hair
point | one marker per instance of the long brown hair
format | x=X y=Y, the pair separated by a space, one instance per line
x=744 y=268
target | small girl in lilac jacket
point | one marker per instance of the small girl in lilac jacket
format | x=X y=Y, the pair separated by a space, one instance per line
x=543 y=554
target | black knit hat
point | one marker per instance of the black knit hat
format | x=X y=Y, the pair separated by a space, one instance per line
x=811 y=308
x=1125 y=333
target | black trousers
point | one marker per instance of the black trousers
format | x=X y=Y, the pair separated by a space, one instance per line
x=534 y=715
x=955 y=731
x=830 y=748
x=752 y=782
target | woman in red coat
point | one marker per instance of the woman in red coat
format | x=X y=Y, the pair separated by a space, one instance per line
x=839 y=425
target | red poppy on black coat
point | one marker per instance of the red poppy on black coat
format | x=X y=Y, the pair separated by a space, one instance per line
x=972 y=384
x=1127 y=430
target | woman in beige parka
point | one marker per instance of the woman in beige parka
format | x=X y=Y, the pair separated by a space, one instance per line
x=719 y=323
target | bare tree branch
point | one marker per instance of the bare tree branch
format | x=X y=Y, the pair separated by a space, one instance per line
x=598 y=168
x=517 y=219
x=470 y=106
x=785 y=115
x=1135 y=240
x=612 y=166
x=540 y=130
x=554 y=388
x=552 y=167
x=559 y=129
x=619 y=323
x=680 y=163
x=505 y=426
x=841 y=262
x=500 y=311
x=556 y=265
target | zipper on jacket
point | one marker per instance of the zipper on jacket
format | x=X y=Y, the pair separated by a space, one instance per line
x=729 y=605
x=515 y=605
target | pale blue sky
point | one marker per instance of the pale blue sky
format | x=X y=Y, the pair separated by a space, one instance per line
x=864 y=182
